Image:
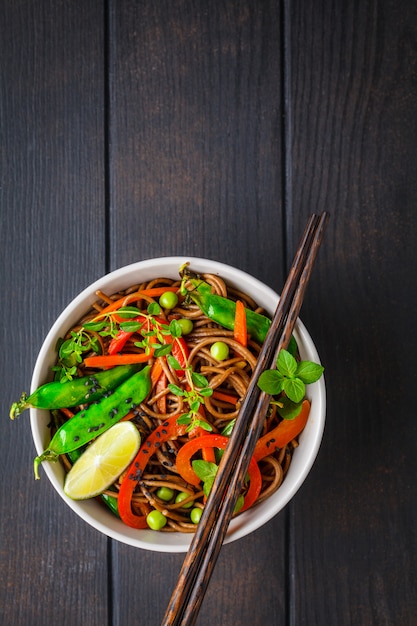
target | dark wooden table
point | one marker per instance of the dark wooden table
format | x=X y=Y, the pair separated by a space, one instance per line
x=132 y=129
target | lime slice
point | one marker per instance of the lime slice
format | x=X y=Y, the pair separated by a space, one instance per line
x=102 y=462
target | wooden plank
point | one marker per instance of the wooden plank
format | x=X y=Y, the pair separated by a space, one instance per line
x=53 y=567
x=354 y=131
x=196 y=169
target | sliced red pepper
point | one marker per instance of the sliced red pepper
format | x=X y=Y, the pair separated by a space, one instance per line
x=168 y=430
x=282 y=434
x=185 y=469
x=111 y=360
x=118 y=343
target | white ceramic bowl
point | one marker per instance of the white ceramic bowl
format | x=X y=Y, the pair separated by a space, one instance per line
x=92 y=511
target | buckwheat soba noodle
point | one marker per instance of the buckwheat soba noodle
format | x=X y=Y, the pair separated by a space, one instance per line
x=198 y=355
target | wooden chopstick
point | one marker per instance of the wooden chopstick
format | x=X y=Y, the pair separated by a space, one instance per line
x=212 y=528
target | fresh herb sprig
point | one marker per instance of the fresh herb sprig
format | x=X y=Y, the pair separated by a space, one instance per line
x=206 y=471
x=71 y=350
x=194 y=396
x=288 y=381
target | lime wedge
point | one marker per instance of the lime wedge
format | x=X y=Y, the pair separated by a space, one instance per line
x=102 y=462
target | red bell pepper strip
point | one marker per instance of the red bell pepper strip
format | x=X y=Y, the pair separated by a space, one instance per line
x=185 y=469
x=282 y=434
x=168 y=430
x=111 y=360
x=118 y=343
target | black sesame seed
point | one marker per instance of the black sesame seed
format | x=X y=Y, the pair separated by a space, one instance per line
x=76 y=438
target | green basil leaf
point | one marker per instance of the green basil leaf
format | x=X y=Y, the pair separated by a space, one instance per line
x=205 y=470
x=289 y=409
x=206 y=392
x=309 y=372
x=271 y=382
x=286 y=364
x=294 y=388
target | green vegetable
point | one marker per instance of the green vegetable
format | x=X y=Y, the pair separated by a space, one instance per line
x=206 y=471
x=194 y=396
x=97 y=417
x=290 y=377
x=196 y=514
x=186 y=325
x=222 y=310
x=183 y=495
x=59 y=395
x=219 y=350
x=165 y=493
x=156 y=520
x=168 y=300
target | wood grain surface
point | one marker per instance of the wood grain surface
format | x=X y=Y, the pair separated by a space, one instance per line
x=132 y=129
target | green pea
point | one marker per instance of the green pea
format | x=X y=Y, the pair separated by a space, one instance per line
x=156 y=520
x=168 y=300
x=183 y=496
x=196 y=514
x=219 y=350
x=186 y=325
x=165 y=493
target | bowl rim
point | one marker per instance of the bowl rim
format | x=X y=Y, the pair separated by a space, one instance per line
x=91 y=511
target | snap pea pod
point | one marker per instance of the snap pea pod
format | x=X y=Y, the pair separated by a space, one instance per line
x=223 y=311
x=86 y=389
x=97 y=417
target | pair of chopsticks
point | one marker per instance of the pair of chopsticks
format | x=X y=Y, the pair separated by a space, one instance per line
x=201 y=557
